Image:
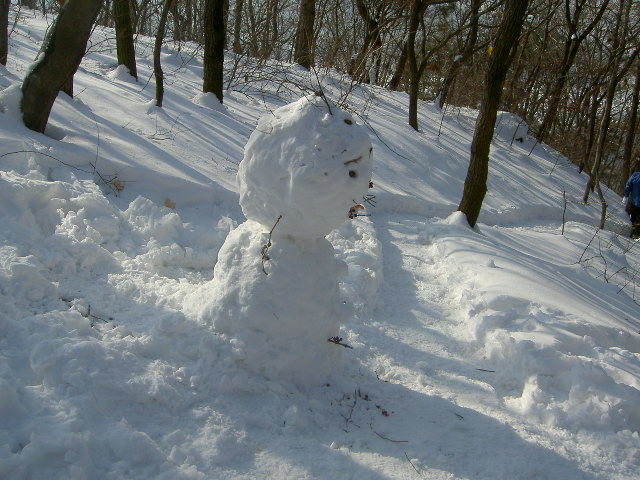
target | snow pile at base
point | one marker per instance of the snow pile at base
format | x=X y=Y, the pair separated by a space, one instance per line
x=275 y=292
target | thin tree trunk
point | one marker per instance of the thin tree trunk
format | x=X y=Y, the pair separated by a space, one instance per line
x=4 y=30
x=214 y=35
x=157 y=65
x=475 y=185
x=237 y=26
x=585 y=163
x=59 y=62
x=394 y=83
x=417 y=11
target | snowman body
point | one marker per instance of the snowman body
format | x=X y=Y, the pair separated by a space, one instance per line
x=275 y=292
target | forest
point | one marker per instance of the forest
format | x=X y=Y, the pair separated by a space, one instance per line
x=573 y=74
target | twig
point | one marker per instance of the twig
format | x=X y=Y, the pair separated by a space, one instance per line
x=266 y=246
x=347 y=420
x=389 y=439
x=45 y=155
x=564 y=209
x=409 y=460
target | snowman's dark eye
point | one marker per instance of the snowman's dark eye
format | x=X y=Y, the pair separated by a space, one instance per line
x=353 y=173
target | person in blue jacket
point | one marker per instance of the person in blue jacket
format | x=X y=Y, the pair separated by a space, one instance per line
x=631 y=200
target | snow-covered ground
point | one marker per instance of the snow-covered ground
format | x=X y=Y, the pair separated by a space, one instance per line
x=507 y=352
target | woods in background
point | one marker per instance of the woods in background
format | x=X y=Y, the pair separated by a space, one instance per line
x=574 y=71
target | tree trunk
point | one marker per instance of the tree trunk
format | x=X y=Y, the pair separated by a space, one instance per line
x=602 y=138
x=591 y=131
x=303 y=53
x=4 y=30
x=237 y=26
x=475 y=185
x=417 y=11
x=157 y=65
x=394 y=83
x=124 y=36
x=59 y=62
x=214 y=35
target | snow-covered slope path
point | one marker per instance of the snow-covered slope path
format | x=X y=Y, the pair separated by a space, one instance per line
x=451 y=401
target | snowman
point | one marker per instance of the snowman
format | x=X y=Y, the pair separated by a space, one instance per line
x=275 y=293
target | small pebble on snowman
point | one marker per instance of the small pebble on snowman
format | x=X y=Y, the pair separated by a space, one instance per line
x=275 y=293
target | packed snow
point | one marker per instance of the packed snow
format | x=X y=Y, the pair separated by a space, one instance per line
x=132 y=345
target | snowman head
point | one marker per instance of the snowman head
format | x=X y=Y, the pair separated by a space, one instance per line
x=308 y=162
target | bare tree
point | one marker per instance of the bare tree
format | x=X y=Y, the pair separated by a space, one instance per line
x=464 y=56
x=60 y=60
x=575 y=36
x=418 y=66
x=475 y=185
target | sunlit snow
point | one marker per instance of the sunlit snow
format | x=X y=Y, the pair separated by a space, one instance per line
x=510 y=351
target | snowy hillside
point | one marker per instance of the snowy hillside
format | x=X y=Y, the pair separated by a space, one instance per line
x=507 y=352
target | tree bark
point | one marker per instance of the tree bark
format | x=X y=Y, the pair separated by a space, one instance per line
x=124 y=36
x=303 y=53
x=59 y=62
x=4 y=30
x=214 y=37
x=475 y=185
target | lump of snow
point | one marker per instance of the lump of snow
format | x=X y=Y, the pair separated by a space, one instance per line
x=309 y=162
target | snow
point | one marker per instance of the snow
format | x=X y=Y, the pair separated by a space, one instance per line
x=508 y=351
